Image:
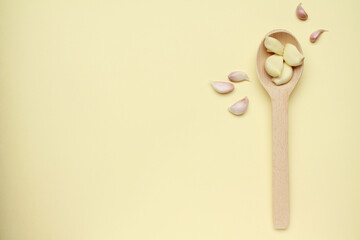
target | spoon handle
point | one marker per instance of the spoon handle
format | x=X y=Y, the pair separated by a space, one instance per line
x=280 y=164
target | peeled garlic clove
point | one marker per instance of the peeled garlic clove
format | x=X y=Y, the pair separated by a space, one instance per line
x=273 y=45
x=274 y=65
x=285 y=75
x=239 y=107
x=315 y=35
x=300 y=13
x=292 y=56
x=222 y=87
x=238 y=76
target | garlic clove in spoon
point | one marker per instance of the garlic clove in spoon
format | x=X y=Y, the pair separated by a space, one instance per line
x=292 y=56
x=239 y=107
x=285 y=75
x=238 y=76
x=274 y=65
x=222 y=87
x=273 y=45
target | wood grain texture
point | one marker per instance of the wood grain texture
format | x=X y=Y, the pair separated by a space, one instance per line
x=279 y=96
x=280 y=164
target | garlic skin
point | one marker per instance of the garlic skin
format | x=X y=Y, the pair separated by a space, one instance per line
x=285 y=75
x=292 y=56
x=239 y=107
x=238 y=76
x=222 y=87
x=274 y=65
x=300 y=13
x=315 y=35
x=273 y=45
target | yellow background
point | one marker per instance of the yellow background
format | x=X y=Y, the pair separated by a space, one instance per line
x=109 y=128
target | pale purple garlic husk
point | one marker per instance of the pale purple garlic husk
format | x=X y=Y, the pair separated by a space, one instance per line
x=300 y=13
x=238 y=76
x=239 y=107
x=222 y=87
x=315 y=35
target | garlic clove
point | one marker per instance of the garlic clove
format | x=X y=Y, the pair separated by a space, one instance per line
x=222 y=87
x=285 y=76
x=239 y=107
x=274 y=65
x=273 y=45
x=292 y=56
x=300 y=13
x=315 y=35
x=238 y=76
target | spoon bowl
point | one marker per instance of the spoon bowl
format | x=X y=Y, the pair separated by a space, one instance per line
x=284 y=37
x=279 y=96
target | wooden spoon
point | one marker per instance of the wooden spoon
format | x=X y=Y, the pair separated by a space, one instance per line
x=279 y=100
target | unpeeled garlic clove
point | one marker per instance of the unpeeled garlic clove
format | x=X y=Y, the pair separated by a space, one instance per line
x=315 y=35
x=274 y=65
x=300 y=13
x=285 y=75
x=238 y=76
x=239 y=107
x=292 y=56
x=273 y=45
x=222 y=87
